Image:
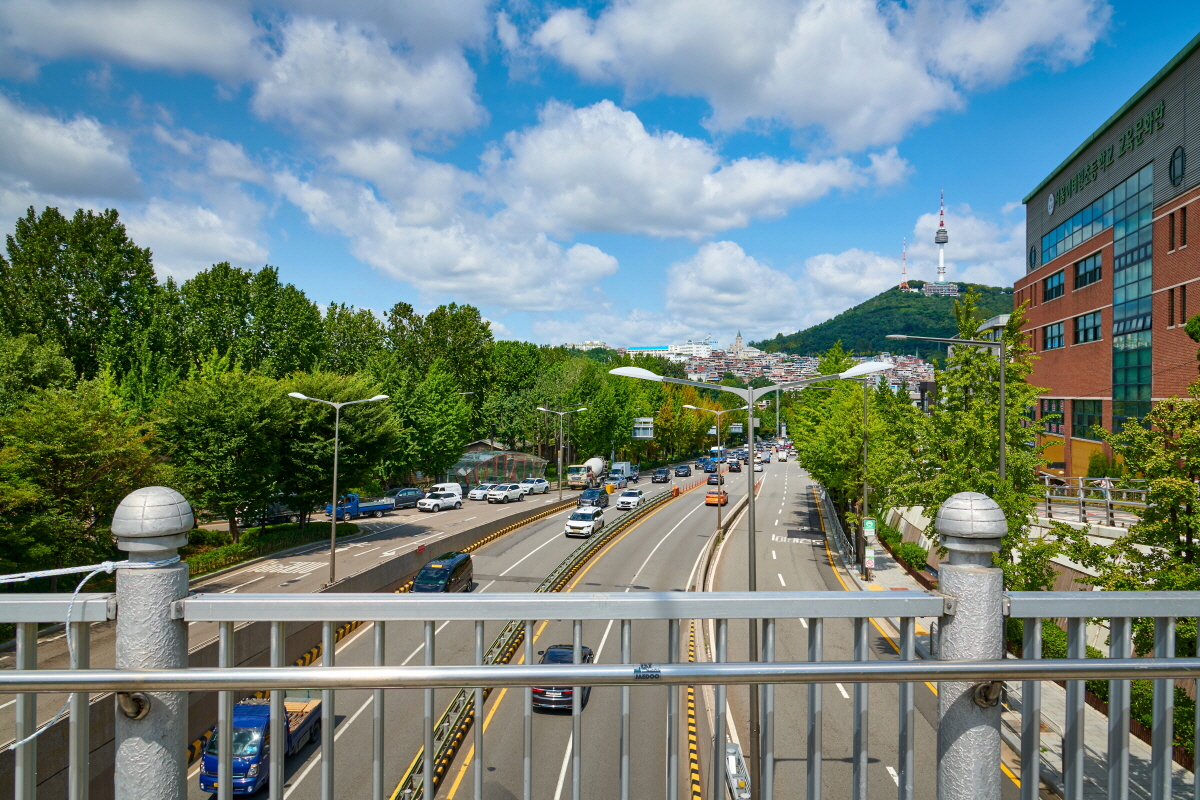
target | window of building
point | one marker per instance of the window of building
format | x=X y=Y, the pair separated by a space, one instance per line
x=1078 y=229
x=1183 y=317
x=1052 y=336
x=1087 y=328
x=1087 y=419
x=1178 y=162
x=1053 y=287
x=1183 y=227
x=1052 y=416
x=1087 y=271
x=1171 y=231
x=1171 y=308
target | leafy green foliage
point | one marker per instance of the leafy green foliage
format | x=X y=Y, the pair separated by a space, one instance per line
x=912 y=554
x=27 y=365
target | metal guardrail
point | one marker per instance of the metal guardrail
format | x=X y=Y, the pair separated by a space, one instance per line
x=833 y=527
x=1095 y=501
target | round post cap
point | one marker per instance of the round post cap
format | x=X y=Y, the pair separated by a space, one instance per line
x=968 y=520
x=152 y=518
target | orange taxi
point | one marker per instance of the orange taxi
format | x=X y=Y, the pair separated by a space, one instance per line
x=716 y=497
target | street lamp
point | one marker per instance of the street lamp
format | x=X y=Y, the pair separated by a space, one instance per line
x=337 y=419
x=748 y=395
x=561 y=414
x=996 y=344
x=719 y=451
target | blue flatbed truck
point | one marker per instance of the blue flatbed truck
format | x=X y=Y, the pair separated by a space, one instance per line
x=252 y=740
x=352 y=506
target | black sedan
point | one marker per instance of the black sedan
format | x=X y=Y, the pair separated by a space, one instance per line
x=683 y=471
x=715 y=480
x=735 y=466
x=594 y=497
x=661 y=476
x=561 y=696
x=406 y=498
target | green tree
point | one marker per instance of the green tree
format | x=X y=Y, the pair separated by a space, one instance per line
x=26 y=365
x=432 y=418
x=351 y=338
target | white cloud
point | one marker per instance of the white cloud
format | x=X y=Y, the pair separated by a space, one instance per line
x=333 y=81
x=836 y=282
x=186 y=237
x=76 y=157
x=979 y=250
x=424 y=27
x=863 y=73
x=599 y=169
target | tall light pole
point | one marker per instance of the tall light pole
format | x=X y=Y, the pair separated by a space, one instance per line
x=747 y=394
x=720 y=480
x=561 y=414
x=337 y=420
x=995 y=344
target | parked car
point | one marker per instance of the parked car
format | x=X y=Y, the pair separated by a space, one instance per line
x=593 y=497
x=715 y=480
x=405 y=498
x=616 y=481
x=480 y=491
x=439 y=501
x=661 y=475
x=449 y=572
x=630 y=498
x=683 y=471
x=505 y=493
x=536 y=485
x=561 y=696
x=735 y=466
x=585 y=521
x=716 y=497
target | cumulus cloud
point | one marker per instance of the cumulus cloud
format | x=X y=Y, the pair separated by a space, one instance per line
x=861 y=72
x=721 y=279
x=423 y=27
x=335 y=80
x=980 y=250
x=187 y=237
x=599 y=169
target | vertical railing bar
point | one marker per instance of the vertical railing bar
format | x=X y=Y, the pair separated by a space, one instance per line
x=275 y=777
x=80 y=741
x=861 y=708
x=328 y=712
x=1120 y=646
x=477 y=772
x=427 y=772
x=527 y=743
x=1073 y=729
x=1162 y=732
x=623 y=770
x=1031 y=714
x=673 y=656
x=906 y=771
x=719 y=736
x=768 y=716
x=377 y=716
x=225 y=717
x=25 y=764
x=576 y=709
x=815 y=730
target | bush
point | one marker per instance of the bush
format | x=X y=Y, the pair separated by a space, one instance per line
x=888 y=534
x=260 y=542
x=912 y=554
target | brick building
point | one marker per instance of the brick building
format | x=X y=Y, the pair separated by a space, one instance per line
x=1109 y=271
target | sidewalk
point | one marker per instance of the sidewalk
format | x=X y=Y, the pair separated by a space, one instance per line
x=889 y=575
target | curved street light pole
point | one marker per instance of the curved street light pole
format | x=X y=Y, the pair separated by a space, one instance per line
x=337 y=420
x=747 y=394
x=561 y=414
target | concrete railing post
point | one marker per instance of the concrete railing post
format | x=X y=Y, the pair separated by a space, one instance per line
x=970 y=525
x=151 y=524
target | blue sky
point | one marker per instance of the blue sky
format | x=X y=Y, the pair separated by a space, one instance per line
x=639 y=172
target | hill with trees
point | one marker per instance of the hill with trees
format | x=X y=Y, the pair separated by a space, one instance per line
x=864 y=327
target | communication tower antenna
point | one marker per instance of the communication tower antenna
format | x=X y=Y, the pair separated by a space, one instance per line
x=904 y=265
x=940 y=238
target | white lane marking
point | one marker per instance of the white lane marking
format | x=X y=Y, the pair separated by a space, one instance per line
x=773 y=554
x=562 y=773
x=781 y=580
x=776 y=522
x=895 y=777
x=804 y=622
x=247 y=583
x=6 y=705
x=421 y=646
x=553 y=538
x=842 y=689
x=364 y=552
x=317 y=760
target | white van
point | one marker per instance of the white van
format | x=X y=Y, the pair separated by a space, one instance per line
x=453 y=488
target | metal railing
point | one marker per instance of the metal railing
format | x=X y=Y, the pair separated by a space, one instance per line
x=1094 y=501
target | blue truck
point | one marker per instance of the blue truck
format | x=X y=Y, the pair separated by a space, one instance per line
x=352 y=506
x=251 y=739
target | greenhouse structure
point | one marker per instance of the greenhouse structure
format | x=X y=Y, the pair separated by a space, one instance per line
x=495 y=466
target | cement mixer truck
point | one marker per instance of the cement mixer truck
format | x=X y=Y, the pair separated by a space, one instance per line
x=586 y=475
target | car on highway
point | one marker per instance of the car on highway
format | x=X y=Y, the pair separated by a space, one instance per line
x=715 y=480
x=784 y=456
x=616 y=481
x=711 y=466
x=505 y=493
x=683 y=471
x=536 y=485
x=405 y=498
x=585 y=521
x=758 y=467
x=439 y=501
x=630 y=498
x=593 y=497
x=716 y=497
x=661 y=475
x=735 y=466
x=449 y=572
x=560 y=697
x=480 y=491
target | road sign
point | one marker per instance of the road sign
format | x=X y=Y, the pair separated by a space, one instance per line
x=869 y=558
x=869 y=527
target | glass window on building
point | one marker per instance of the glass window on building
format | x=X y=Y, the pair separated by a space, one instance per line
x=1052 y=336
x=1052 y=416
x=1087 y=328
x=1087 y=419
x=1087 y=271
x=1053 y=286
x=1132 y=277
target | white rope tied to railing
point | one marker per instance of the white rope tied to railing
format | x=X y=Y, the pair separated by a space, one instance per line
x=92 y=571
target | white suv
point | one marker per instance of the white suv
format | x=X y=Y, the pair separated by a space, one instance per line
x=439 y=501
x=535 y=485
x=585 y=521
x=630 y=498
x=505 y=492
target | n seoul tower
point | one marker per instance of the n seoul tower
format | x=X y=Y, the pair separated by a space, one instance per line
x=940 y=238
